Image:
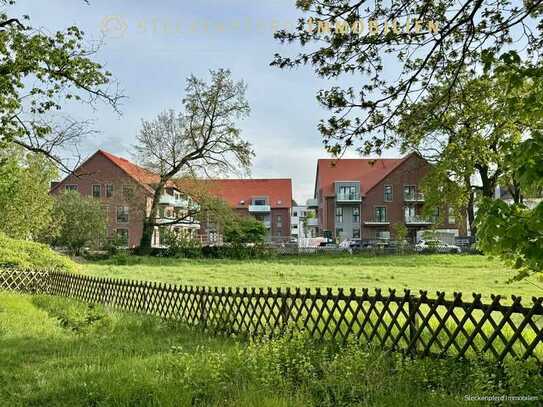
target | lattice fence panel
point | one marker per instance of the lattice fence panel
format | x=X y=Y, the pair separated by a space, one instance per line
x=416 y=324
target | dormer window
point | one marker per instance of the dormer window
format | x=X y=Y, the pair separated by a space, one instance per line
x=259 y=201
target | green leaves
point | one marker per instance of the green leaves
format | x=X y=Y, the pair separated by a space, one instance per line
x=25 y=204
x=81 y=221
x=40 y=73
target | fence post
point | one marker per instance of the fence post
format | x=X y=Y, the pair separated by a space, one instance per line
x=413 y=326
x=202 y=306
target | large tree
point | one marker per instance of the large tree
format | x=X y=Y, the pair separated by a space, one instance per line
x=469 y=140
x=397 y=65
x=40 y=73
x=203 y=140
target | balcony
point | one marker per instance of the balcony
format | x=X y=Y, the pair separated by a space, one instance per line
x=170 y=200
x=377 y=222
x=351 y=197
x=312 y=203
x=414 y=197
x=417 y=220
x=312 y=222
x=259 y=208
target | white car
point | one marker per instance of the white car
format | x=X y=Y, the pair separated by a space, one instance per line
x=436 y=246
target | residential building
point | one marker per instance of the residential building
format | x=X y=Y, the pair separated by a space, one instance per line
x=126 y=191
x=368 y=198
x=268 y=200
x=303 y=223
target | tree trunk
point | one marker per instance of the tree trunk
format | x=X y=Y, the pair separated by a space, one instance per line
x=146 y=242
x=471 y=214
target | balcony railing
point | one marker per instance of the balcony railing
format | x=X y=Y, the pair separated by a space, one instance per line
x=170 y=200
x=381 y=221
x=259 y=208
x=417 y=220
x=312 y=203
x=350 y=197
x=312 y=222
x=414 y=197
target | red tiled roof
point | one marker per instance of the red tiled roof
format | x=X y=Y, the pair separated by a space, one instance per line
x=140 y=174
x=233 y=191
x=369 y=171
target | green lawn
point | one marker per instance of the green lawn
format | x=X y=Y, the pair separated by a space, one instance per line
x=448 y=273
x=59 y=352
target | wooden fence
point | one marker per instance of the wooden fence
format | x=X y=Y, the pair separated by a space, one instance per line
x=415 y=324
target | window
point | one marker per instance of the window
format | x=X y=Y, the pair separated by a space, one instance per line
x=380 y=214
x=295 y=214
x=382 y=234
x=356 y=215
x=347 y=192
x=279 y=221
x=96 y=191
x=109 y=190
x=122 y=214
x=339 y=215
x=356 y=233
x=128 y=191
x=452 y=217
x=388 y=193
x=294 y=226
x=259 y=201
x=122 y=236
x=339 y=232
x=409 y=192
x=71 y=187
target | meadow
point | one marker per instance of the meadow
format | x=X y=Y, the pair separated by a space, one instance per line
x=439 y=272
x=55 y=351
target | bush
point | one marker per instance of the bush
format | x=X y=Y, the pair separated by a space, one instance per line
x=26 y=255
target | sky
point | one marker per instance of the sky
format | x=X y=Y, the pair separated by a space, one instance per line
x=151 y=47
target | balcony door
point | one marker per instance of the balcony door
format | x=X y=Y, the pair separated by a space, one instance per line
x=410 y=212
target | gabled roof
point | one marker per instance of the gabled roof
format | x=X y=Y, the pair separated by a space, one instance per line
x=144 y=177
x=233 y=191
x=140 y=174
x=368 y=171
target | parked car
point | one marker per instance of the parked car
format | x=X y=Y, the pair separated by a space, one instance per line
x=436 y=246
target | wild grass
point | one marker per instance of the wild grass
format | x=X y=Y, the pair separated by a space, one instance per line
x=55 y=351
x=440 y=272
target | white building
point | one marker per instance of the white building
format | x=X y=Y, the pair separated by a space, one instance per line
x=303 y=223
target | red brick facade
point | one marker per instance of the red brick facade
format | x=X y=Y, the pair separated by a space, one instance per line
x=100 y=172
x=372 y=176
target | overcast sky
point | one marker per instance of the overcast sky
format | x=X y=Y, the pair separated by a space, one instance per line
x=152 y=46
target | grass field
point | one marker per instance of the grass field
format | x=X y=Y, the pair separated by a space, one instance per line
x=447 y=273
x=55 y=351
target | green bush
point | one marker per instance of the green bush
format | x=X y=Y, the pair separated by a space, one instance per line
x=26 y=255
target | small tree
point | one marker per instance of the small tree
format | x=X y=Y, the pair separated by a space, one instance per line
x=203 y=140
x=81 y=221
x=244 y=229
x=25 y=204
x=400 y=233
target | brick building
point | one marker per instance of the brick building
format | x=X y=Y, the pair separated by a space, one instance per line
x=268 y=200
x=125 y=191
x=366 y=198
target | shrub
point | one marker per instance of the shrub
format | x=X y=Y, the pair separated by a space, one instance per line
x=22 y=254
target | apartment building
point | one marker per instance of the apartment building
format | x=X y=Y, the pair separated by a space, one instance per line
x=125 y=191
x=303 y=222
x=367 y=198
x=268 y=200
